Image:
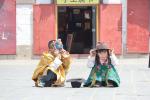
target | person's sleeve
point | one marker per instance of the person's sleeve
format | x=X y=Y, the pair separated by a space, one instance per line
x=114 y=60
x=66 y=61
x=90 y=62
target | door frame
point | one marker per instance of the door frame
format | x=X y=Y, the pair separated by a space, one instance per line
x=97 y=19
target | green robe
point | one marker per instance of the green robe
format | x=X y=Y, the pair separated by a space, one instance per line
x=103 y=74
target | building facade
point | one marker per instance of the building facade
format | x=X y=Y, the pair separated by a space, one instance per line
x=27 y=26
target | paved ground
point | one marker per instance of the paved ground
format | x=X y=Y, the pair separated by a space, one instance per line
x=16 y=83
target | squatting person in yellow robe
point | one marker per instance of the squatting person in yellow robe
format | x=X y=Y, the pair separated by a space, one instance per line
x=53 y=66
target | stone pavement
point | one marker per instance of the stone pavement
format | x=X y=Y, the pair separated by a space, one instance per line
x=16 y=83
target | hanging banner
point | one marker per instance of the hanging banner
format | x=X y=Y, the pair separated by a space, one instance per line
x=77 y=1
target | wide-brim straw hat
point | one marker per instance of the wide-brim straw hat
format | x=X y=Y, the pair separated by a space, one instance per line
x=101 y=46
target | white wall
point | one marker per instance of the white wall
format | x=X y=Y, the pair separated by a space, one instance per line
x=24 y=23
x=25 y=1
x=112 y=1
x=43 y=1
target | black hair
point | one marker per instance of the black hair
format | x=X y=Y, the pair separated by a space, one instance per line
x=97 y=59
x=50 y=42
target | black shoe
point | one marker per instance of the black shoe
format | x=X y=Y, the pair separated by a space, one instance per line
x=48 y=84
x=112 y=83
x=87 y=85
x=97 y=84
x=103 y=83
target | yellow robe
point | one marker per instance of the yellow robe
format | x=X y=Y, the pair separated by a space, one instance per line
x=61 y=72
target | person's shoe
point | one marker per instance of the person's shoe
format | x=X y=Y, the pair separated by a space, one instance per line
x=97 y=84
x=58 y=85
x=36 y=84
x=87 y=85
x=41 y=84
x=110 y=85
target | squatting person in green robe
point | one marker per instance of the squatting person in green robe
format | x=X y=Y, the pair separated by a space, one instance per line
x=103 y=62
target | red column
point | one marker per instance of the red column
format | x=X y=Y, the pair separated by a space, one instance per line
x=44 y=26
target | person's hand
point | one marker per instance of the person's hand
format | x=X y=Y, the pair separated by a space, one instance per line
x=57 y=54
x=62 y=51
x=92 y=52
x=111 y=51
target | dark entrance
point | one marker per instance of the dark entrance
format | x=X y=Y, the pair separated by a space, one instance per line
x=76 y=28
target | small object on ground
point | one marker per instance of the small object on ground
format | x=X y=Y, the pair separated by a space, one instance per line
x=76 y=82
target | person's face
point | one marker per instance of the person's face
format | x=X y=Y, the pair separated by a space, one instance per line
x=103 y=55
x=52 y=47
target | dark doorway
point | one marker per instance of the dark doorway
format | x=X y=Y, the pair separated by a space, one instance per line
x=76 y=28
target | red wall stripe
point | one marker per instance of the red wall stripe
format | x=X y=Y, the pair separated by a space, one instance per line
x=137 y=26
x=44 y=26
x=110 y=26
x=7 y=27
